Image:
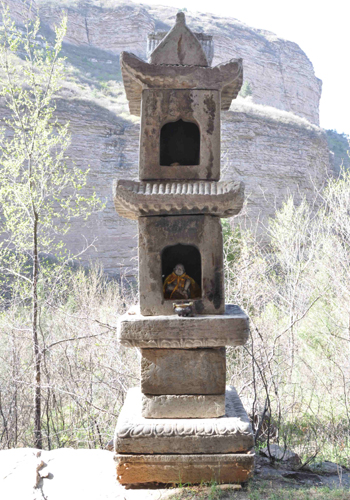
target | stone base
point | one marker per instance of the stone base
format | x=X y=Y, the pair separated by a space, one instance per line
x=225 y=468
x=183 y=406
x=135 y=434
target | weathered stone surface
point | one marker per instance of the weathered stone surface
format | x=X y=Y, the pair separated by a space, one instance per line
x=121 y=27
x=180 y=46
x=229 y=434
x=291 y=153
x=326 y=467
x=183 y=406
x=165 y=106
x=30 y=474
x=138 y=74
x=134 y=199
x=206 y=41
x=279 y=453
x=158 y=233
x=227 y=468
x=231 y=328
x=183 y=371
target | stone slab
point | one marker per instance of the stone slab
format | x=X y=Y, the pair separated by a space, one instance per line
x=174 y=332
x=231 y=433
x=157 y=234
x=225 y=468
x=183 y=406
x=183 y=371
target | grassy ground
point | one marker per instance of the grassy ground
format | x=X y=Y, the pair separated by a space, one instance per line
x=262 y=491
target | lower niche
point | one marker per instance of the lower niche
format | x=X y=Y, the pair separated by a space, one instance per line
x=181 y=272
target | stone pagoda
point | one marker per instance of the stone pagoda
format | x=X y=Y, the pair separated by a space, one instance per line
x=182 y=424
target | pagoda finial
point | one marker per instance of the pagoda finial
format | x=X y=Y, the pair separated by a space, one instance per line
x=180 y=17
x=179 y=47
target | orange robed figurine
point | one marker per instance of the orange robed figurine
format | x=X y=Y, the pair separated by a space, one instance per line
x=178 y=285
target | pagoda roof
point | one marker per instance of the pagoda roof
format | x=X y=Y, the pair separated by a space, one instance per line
x=133 y=199
x=139 y=75
x=179 y=46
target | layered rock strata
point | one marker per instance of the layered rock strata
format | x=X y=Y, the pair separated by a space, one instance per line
x=279 y=72
x=257 y=139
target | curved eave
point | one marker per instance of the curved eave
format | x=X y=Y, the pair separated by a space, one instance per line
x=133 y=199
x=138 y=74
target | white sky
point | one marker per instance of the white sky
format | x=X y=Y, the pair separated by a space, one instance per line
x=320 y=27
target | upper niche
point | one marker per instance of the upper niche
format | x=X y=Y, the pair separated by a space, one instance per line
x=179 y=144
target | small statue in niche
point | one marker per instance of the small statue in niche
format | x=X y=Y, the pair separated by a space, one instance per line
x=179 y=286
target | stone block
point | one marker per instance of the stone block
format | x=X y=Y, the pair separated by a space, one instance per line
x=165 y=242
x=163 y=106
x=231 y=328
x=194 y=469
x=183 y=371
x=183 y=406
x=231 y=433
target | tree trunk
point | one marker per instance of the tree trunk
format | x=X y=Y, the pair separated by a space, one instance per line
x=38 y=438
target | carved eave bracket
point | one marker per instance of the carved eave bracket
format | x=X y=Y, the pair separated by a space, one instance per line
x=139 y=75
x=133 y=199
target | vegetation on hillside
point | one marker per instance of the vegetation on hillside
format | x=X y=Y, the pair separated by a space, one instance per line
x=339 y=146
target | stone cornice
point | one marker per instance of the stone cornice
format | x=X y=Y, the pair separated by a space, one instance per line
x=174 y=332
x=138 y=74
x=133 y=199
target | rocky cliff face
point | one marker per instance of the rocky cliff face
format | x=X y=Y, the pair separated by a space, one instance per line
x=274 y=153
x=271 y=140
x=279 y=72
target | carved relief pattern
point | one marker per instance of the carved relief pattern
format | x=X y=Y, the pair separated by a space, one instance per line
x=235 y=422
x=182 y=343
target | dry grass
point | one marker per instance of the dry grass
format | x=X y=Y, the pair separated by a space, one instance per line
x=247 y=105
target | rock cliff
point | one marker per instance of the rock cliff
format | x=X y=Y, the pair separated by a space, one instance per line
x=279 y=72
x=270 y=140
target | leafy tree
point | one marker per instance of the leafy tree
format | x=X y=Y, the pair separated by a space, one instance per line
x=246 y=89
x=39 y=192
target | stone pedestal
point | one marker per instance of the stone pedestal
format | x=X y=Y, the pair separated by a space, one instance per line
x=181 y=425
x=182 y=449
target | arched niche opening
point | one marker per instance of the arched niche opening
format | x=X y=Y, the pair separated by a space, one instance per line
x=179 y=144
x=181 y=272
